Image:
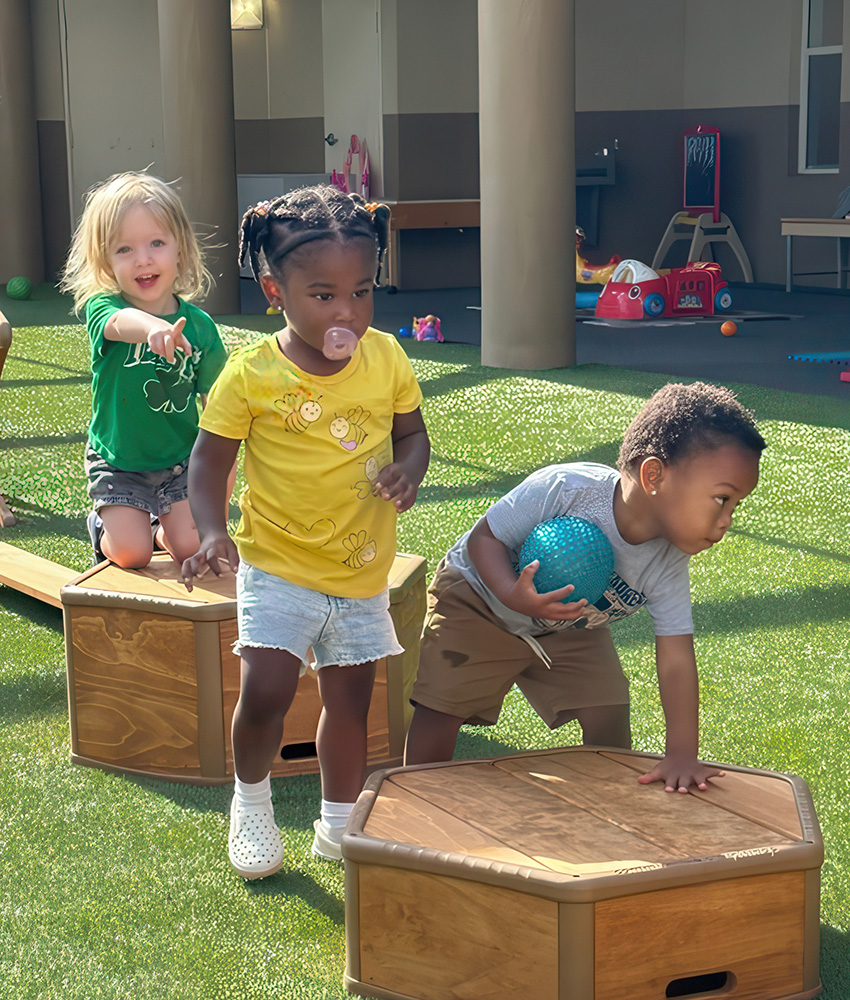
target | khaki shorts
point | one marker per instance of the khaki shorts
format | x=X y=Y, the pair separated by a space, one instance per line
x=468 y=662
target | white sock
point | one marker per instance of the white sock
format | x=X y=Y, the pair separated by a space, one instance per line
x=248 y=794
x=335 y=814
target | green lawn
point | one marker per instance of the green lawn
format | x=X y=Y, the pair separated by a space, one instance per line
x=114 y=888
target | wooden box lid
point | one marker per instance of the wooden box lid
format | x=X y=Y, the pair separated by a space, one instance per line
x=158 y=587
x=574 y=823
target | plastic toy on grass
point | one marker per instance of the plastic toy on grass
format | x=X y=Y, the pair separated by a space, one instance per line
x=635 y=291
x=427 y=328
x=19 y=288
x=592 y=274
x=570 y=550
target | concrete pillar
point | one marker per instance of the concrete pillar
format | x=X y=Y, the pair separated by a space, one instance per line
x=198 y=130
x=526 y=100
x=21 y=246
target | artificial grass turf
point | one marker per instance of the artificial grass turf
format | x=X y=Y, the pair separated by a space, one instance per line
x=112 y=887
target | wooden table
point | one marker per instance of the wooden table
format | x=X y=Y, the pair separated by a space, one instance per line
x=837 y=229
x=456 y=213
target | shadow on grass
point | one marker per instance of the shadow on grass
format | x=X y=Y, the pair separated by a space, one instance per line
x=35 y=611
x=472 y=744
x=767 y=403
x=23 y=383
x=42 y=441
x=48 y=364
x=834 y=963
x=33 y=696
x=774 y=611
x=296 y=883
x=498 y=485
x=783 y=543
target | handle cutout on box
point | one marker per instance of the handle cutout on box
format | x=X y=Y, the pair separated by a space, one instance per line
x=708 y=984
x=298 y=751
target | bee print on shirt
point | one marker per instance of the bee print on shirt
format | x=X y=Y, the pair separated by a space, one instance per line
x=370 y=472
x=348 y=430
x=362 y=549
x=299 y=411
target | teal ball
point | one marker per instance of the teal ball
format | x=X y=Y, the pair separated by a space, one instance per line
x=570 y=550
x=19 y=288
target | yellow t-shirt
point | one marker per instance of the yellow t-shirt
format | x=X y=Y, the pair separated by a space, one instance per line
x=313 y=446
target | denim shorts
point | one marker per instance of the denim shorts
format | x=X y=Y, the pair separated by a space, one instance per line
x=155 y=491
x=276 y=614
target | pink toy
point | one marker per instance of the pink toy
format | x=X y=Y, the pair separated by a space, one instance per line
x=362 y=178
x=427 y=328
x=635 y=291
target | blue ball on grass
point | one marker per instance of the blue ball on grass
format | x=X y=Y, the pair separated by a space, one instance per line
x=570 y=550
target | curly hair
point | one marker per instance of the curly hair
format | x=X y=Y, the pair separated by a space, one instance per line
x=87 y=271
x=273 y=232
x=681 y=420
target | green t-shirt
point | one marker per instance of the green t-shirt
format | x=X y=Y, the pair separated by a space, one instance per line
x=144 y=410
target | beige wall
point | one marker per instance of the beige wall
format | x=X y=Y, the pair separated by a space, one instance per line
x=742 y=53
x=679 y=54
x=114 y=96
x=47 y=56
x=277 y=70
x=630 y=56
x=352 y=82
x=437 y=57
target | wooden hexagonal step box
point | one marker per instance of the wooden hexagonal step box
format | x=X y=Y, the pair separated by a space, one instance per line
x=555 y=875
x=153 y=680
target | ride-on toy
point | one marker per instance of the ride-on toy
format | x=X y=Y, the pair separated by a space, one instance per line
x=635 y=291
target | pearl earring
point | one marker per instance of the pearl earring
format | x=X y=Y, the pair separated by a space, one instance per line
x=653 y=492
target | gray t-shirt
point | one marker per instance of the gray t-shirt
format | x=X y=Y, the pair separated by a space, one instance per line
x=654 y=573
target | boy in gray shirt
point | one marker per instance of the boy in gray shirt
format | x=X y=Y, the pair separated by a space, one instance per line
x=687 y=459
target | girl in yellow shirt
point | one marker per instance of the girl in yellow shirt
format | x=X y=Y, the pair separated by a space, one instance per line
x=335 y=448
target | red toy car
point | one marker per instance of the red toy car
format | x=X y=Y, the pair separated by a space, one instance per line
x=697 y=290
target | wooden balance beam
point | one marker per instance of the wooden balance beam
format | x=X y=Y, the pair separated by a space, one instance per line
x=33 y=575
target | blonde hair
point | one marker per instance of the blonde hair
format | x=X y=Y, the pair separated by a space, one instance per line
x=87 y=271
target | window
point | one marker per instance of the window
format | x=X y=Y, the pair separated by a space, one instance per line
x=820 y=85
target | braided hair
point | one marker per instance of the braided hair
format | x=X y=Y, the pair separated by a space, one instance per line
x=680 y=420
x=272 y=230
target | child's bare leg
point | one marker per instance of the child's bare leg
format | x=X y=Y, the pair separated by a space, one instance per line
x=341 y=737
x=269 y=680
x=126 y=538
x=605 y=726
x=432 y=736
x=177 y=532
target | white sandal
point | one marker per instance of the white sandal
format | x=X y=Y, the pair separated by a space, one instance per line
x=254 y=845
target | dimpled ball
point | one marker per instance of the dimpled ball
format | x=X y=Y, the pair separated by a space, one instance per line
x=729 y=329
x=19 y=288
x=570 y=550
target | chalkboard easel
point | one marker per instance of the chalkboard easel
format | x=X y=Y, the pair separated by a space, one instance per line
x=702 y=170
x=700 y=221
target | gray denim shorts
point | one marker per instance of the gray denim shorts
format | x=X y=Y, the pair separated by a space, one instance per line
x=156 y=491
x=276 y=614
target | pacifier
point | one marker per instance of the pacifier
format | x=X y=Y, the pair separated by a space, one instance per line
x=339 y=343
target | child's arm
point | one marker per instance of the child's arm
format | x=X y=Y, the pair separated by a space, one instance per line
x=212 y=457
x=493 y=562
x=231 y=476
x=400 y=480
x=134 y=326
x=679 y=686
